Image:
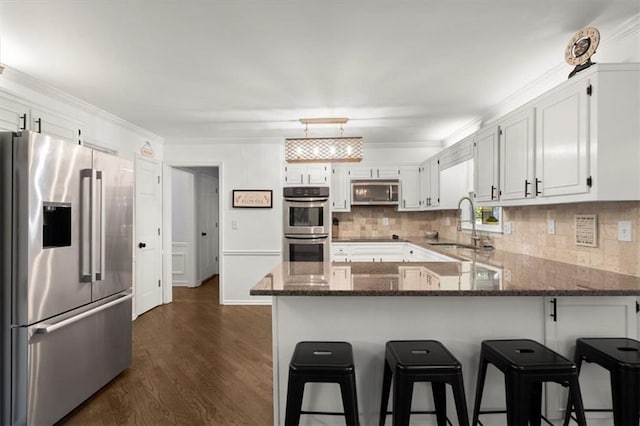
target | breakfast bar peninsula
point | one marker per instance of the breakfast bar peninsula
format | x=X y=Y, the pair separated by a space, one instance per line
x=477 y=295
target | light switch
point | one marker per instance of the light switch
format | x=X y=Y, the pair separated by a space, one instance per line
x=551 y=227
x=235 y=224
x=624 y=230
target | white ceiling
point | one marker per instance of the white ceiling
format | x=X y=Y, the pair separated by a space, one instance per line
x=403 y=71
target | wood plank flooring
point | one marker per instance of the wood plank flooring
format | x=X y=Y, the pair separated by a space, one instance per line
x=195 y=362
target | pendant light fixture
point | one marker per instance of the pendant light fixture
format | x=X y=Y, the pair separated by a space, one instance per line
x=336 y=149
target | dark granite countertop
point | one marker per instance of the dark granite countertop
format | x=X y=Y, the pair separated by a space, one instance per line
x=477 y=273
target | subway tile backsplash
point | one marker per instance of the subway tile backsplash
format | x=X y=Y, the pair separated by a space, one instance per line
x=529 y=231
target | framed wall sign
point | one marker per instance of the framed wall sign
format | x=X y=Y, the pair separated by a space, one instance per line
x=253 y=198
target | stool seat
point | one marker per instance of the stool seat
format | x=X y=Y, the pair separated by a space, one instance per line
x=322 y=357
x=526 y=365
x=322 y=362
x=413 y=361
x=621 y=357
x=524 y=356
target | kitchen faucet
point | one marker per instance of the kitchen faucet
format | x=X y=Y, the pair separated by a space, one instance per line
x=474 y=234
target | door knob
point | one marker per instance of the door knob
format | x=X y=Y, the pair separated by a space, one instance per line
x=204 y=234
x=142 y=245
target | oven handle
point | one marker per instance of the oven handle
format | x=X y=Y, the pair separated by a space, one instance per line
x=308 y=237
x=306 y=200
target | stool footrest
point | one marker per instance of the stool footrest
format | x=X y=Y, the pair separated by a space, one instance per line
x=504 y=412
x=324 y=413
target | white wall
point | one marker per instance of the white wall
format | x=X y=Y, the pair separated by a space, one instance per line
x=249 y=252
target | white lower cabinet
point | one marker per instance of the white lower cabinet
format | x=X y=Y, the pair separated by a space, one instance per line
x=568 y=318
x=384 y=252
x=377 y=252
x=341 y=278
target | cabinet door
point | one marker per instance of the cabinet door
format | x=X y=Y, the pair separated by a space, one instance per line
x=562 y=141
x=294 y=174
x=340 y=199
x=424 y=183
x=386 y=172
x=433 y=199
x=409 y=189
x=486 y=164
x=586 y=317
x=13 y=115
x=361 y=172
x=516 y=156
x=341 y=278
x=55 y=125
x=318 y=174
x=412 y=278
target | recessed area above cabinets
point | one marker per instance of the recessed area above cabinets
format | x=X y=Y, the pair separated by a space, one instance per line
x=578 y=142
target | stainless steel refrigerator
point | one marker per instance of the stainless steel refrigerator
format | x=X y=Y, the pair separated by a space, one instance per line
x=65 y=274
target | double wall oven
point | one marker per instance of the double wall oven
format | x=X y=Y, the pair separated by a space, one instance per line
x=307 y=221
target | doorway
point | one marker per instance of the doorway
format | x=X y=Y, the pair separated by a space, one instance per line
x=194 y=224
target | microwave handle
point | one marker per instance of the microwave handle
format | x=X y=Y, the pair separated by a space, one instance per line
x=308 y=237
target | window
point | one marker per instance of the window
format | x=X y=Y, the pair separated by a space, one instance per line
x=487 y=218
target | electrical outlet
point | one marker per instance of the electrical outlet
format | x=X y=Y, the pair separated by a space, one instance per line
x=385 y=221
x=235 y=224
x=507 y=275
x=508 y=227
x=551 y=227
x=624 y=230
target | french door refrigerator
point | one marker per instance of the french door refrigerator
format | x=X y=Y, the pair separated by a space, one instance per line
x=65 y=274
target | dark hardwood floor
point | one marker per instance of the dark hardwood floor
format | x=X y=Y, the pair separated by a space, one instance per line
x=194 y=363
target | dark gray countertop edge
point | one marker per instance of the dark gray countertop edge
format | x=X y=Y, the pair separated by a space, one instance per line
x=454 y=293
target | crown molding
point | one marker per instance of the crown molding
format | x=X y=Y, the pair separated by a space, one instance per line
x=29 y=82
x=556 y=74
x=469 y=128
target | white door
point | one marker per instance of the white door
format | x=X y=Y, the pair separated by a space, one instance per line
x=148 y=243
x=208 y=226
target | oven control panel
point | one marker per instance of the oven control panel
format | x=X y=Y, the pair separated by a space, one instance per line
x=305 y=191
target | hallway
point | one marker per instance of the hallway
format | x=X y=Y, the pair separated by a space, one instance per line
x=194 y=363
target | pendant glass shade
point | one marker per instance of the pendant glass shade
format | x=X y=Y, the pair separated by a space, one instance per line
x=338 y=149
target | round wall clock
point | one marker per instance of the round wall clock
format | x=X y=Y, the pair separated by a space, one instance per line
x=581 y=47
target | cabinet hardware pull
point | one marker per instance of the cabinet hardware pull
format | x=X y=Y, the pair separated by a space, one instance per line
x=345 y=204
x=493 y=188
x=39 y=121
x=526 y=186
x=538 y=182
x=554 y=311
x=23 y=117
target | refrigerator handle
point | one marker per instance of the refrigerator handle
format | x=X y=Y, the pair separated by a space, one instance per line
x=100 y=271
x=49 y=328
x=86 y=223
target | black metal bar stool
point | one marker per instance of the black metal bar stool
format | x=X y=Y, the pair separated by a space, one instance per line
x=526 y=364
x=413 y=361
x=621 y=357
x=322 y=362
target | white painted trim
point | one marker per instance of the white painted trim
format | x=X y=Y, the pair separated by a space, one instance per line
x=167 y=273
x=275 y=338
x=28 y=81
x=180 y=244
x=180 y=257
x=248 y=302
x=252 y=252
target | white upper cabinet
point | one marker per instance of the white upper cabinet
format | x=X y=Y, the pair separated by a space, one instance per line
x=340 y=189
x=374 y=172
x=577 y=142
x=16 y=116
x=562 y=141
x=317 y=174
x=430 y=183
x=486 y=164
x=517 y=155
x=409 y=188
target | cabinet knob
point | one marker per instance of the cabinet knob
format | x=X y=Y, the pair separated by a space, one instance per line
x=142 y=245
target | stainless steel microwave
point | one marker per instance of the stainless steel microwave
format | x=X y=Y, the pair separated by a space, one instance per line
x=375 y=192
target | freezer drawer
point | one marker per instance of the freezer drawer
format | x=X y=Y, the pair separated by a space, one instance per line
x=58 y=365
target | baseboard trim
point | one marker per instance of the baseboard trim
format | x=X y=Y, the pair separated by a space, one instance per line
x=248 y=302
x=251 y=253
